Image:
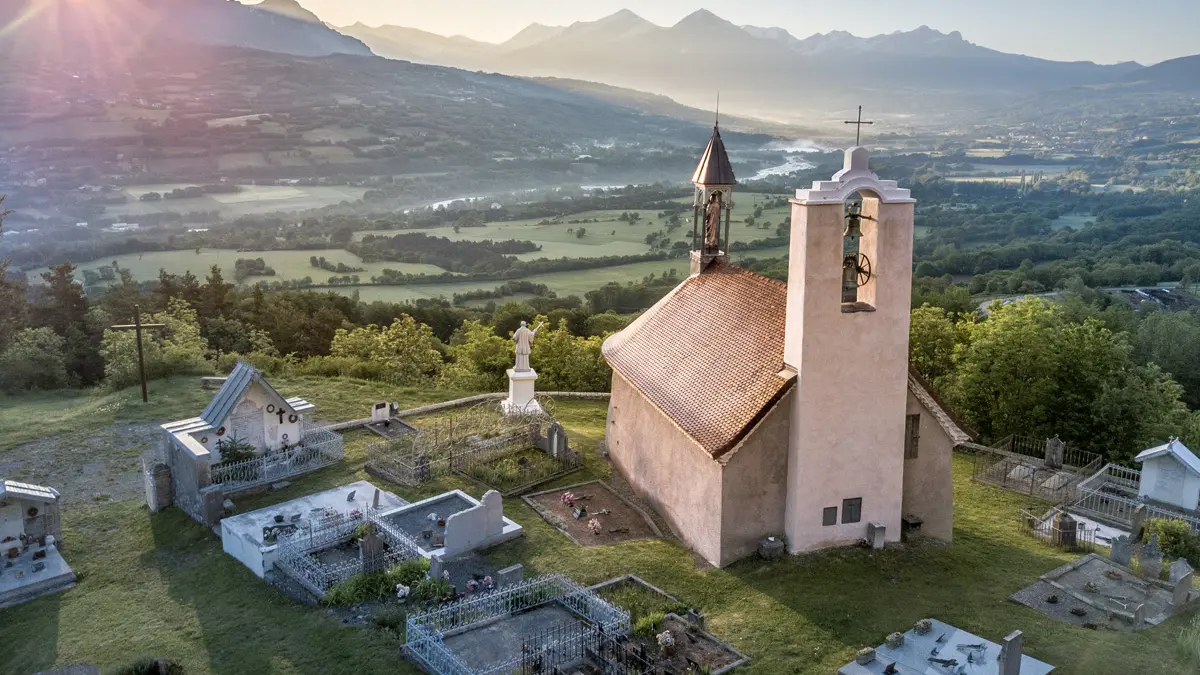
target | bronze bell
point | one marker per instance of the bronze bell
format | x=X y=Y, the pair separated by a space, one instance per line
x=854 y=221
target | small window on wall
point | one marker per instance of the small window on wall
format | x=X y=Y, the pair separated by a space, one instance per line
x=851 y=510
x=912 y=435
x=829 y=516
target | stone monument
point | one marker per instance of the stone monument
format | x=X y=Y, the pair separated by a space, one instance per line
x=1151 y=559
x=521 y=377
x=1181 y=581
x=1122 y=550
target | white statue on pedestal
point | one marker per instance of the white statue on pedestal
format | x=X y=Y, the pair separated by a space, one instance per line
x=524 y=339
x=521 y=377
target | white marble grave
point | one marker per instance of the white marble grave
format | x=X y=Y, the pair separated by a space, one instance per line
x=478 y=527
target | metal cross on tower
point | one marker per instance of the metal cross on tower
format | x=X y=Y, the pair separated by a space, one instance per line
x=858 y=129
x=137 y=327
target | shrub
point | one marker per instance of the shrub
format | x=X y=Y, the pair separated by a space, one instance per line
x=391 y=620
x=150 y=666
x=377 y=585
x=34 y=360
x=234 y=449
x=1176 y=539
x=647 y=626
x=435 y=590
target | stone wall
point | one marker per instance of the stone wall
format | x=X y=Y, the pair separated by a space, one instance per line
x=928 y=479
x=667 y=469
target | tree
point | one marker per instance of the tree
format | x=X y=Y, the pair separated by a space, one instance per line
x=33 y=360
x=405 y=350
x=65 y=309
x=215 y=296
x=581 y=233
x=480 y=359
x=932 y=338
x=14 y=309
x=1026 y=370
x=178 y=349
x=568 y=363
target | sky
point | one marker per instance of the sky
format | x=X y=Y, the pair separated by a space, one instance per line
x=1105 y=31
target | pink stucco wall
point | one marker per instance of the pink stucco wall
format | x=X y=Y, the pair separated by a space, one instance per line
x=666 y=468
x=754 y=489
x=848 y=409
x=928 y=478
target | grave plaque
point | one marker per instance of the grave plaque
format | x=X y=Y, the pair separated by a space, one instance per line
x=510 y=575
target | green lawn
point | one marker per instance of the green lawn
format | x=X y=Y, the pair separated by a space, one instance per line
x=160 y=584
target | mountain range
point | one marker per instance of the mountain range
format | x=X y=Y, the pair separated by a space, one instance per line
x=763 y=71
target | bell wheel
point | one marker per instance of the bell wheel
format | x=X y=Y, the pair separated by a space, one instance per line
x=861 y=265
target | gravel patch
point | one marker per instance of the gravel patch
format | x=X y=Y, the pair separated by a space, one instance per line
x=102 y=467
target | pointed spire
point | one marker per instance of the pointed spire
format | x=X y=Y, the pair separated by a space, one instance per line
x=714 y=167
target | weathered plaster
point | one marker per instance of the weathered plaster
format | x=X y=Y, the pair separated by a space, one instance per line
x=928 y=479
x=754 y=485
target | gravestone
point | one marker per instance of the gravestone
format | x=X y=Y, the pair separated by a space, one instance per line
x=1181 y=578
x=1137 y=521
x=510 y=575
x=556 y=440
x=876 y=534
x=1151 y=559
x=1066 y=529
x=475 y=527
x=436 y=567
x=493 y=507
x=1010 y=655
x=380 y=413
x=1055 y=450
x=158 y=487
x=371 y=551
x=1122 y=550
x=1139 y=615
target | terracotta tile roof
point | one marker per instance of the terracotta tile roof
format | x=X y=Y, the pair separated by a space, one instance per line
x=725 y=325
x=954 y=428
x=714 y=167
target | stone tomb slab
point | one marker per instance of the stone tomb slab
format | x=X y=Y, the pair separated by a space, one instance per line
x=619 y=519
x=943 y=642
x=242 y=535
x=415 y=519
x=21 y=583
x=501 y=639
x=1107 y=593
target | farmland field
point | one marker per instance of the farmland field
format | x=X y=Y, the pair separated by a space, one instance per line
x=289 y=265
x=253 y=199
x=609 y=236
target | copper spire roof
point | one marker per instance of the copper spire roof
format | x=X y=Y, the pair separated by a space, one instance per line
x=714 y=167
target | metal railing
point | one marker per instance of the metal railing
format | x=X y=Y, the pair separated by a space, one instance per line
x=317 y=448
x=295 y=550
x=1045 y=527
x=425 y=632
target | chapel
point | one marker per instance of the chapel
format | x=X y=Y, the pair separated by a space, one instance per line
x=744 y=407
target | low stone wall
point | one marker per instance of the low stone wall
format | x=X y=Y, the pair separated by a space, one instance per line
x=470 y=400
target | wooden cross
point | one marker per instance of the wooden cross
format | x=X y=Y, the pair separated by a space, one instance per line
x=137 y=327
x=858 y=129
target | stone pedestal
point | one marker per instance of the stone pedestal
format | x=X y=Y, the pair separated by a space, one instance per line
x=521 y=398
x=876 y=534
x=701 y=260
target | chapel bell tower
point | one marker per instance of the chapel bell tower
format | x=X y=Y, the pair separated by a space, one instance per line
x=712 y=205
x=846 y=340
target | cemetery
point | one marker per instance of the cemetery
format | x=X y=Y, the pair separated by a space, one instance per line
x=510 y=451
x=31 y=562
x=591 y=514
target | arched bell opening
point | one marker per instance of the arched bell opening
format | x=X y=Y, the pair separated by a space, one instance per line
x=860 y=247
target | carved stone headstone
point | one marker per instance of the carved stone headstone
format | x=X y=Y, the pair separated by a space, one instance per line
x=1137 y=521
x=556 y=440
x=436 y=567
x=1181 y=574
x=371 y=551
x=1010 y=655
x=1122 y=550
x=1066 y=529
x=1055 y=450
x=1151 y=559
x=510 y=575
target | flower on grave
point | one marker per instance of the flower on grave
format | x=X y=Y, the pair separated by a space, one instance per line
x=356 y=514
x=488 y=583
x=665 y=639
x=472 y=586
x=402 y=591
x=595 y=526
x=862 y=543
x=567 y=498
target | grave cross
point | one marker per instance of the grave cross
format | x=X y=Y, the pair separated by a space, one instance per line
x=137 y=327
x=858 y=128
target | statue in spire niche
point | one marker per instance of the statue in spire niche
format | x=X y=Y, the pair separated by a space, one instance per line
x=712 y=223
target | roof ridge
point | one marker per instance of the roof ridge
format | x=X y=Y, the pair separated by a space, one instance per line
x=750 y=273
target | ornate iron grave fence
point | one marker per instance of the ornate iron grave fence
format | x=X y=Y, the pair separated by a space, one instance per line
x=297 y=551
x=1070 y=535
x=1032 y=467
x=318 y=448
x=1112 y=495
x=425 y=632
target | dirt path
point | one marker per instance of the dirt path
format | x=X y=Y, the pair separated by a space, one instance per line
x=102 y=467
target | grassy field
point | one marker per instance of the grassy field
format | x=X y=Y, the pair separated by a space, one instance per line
x=252 y=200
x=160 y=584
x=288 y=264
x=610 y=236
